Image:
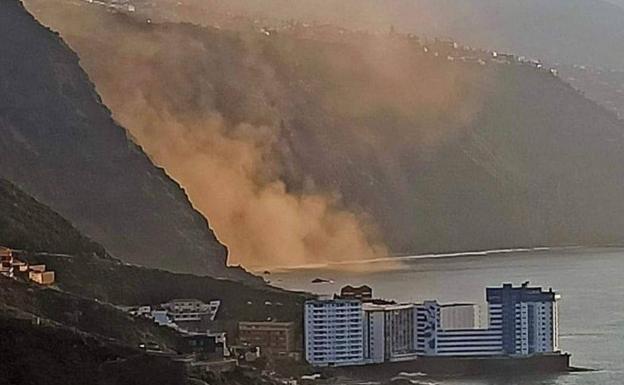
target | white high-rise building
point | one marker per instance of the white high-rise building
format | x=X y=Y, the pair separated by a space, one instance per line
x=334 y=332
x=522 y=321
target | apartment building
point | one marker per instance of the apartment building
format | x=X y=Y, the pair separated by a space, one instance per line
x=528 y=318
x=276 y=339
x=522 y=321
x=333 y=331
x=390 y=332
x=192 y=314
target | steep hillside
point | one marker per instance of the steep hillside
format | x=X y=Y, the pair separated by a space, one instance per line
x=86 y=279
x=52 y=355
x=74 y=332
x=60 y=144
x=443 y=148
x=120 y=284
x=22 y=299
x=26 y=224
x=606 y=87
x=52 y=337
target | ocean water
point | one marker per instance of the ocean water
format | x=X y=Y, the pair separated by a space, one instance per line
x=591 y=282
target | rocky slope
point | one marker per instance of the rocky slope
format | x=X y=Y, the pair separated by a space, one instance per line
x=444 y=152
x=52 y=354
x=85 y=273
x=60 y=144
x=26 y=224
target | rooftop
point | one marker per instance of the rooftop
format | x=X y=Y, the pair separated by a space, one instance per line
x=387 y=307
x=265 y=323
x=457 y=304
x=523 y=293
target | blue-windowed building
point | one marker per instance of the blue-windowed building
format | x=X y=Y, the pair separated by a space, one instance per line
x=522 y=320
x=527 y=317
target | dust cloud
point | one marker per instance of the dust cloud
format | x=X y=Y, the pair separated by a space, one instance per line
x=167 y=96
x=230 y=174
x=209 y=105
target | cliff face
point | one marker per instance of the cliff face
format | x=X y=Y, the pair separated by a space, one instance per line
x=59 y=143
x=442 y=151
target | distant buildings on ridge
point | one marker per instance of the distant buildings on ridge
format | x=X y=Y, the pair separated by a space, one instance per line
x=11 y=267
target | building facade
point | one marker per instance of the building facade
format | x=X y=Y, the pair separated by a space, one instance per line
x=191 y=309
x=191 y=314
x=469 y=342
x=6 y=262
x=275 y=339
x=363 y=292
x=459 y=316
x=521 y=321
x=205 y=345
x=11 y=267
x=389 y=332
x=427 y=326
x=185 y=315
x=528 y=318
x=42 y=277
x=333 y=331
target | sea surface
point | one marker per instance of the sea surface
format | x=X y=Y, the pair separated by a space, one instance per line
x=591 y=282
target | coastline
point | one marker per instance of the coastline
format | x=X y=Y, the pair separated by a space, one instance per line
x=429 y=256
x=458 y=367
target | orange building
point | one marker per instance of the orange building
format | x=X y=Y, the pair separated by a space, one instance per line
x=6 y=262
x=39 y=268
x=5 y=252
x=42 y=277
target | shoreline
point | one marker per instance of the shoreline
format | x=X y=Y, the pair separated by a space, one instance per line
x=457 y=367
x=328 y=266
